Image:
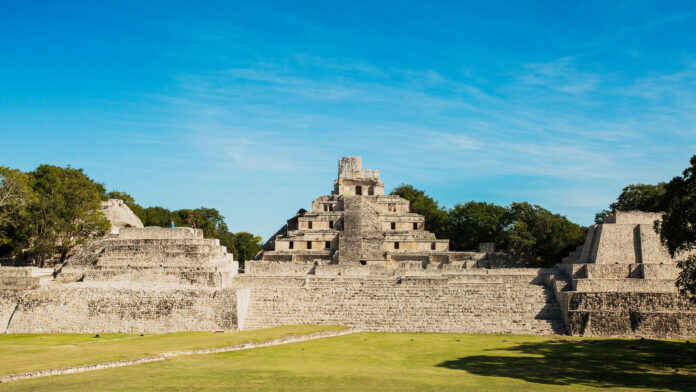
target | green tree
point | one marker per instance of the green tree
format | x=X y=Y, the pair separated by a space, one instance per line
x=641 y=197
x=127 y=198
x=227 y=239
x=65 y=212
x=599 y=217
x=158 y=216
x=207 y=219
x=678 y=226
x=15 y=197
x=540 y=238
x=212 y=223
x=475 y=222
x=15 y=194
x=247 y=246
x=436 y=218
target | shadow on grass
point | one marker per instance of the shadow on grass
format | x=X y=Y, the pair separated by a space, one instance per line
x=574 y=363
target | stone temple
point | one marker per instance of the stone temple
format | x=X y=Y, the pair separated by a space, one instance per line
x=358 y=225
x=359 y=258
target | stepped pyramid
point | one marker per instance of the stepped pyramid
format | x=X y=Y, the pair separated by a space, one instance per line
x=361 y=258
x=359 y=225
x=621 y=282
x=153 y=254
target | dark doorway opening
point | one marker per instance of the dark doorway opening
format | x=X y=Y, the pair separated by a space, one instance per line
x=358 y=190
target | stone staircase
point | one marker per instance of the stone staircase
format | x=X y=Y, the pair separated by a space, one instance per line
x=178 y=255
x=624 y=299
x=465 y=303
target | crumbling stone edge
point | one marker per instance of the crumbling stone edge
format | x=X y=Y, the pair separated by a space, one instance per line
x=172 y=354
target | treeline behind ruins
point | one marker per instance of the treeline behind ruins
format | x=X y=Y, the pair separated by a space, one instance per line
x=46 y=213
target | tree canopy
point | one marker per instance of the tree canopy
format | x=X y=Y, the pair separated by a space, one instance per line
x=678 y=226
x=474 y=222
x=437 y=219
x=539 y=237
x=15 y=197
x=528 y=232
x=638 y=197
x=49 y=211
x=641 y=197
x=242 y=245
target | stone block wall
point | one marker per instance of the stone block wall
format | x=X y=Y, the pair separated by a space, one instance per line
x=649 y=314
x=85 y=308
x=473 y=303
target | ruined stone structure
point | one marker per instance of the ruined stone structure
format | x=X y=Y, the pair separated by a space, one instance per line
x=140 y=280
x=119 y=215
x=621 y=282
x=359 y=258
x=358 y=225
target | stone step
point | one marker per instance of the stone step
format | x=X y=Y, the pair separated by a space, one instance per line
x=603 y=271
x=149 y=249
x=162 y=258
x=620 y=271
x=536 y=327
x=629 y=301
x=16 y=271
x=471 y=278
x=179 y=276
x=634 y=285
x=672 y=324
x=164 y=241
x=19 y=282
x=433 y=305
x=159 y=232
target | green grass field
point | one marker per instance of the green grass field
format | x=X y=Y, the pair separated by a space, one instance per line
x=372 y=361
x=26 y=352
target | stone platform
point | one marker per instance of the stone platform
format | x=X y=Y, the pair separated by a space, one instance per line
x=140 y=280
x=482 y=301
x=622 y=283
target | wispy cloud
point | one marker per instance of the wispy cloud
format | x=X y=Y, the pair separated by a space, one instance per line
x=560 y=75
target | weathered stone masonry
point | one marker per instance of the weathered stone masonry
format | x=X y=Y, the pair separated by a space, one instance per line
x=359 y=258
x=621 y=282
x=140 y=280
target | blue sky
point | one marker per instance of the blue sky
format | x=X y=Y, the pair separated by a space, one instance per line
x=247 y=107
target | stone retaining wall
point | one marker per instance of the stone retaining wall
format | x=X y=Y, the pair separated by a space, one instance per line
x=82 y=308
x=469 y=304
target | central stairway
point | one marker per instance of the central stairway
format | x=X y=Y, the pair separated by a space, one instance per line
x=478 y=301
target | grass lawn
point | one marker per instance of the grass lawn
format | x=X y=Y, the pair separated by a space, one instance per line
x=26 y=352
x=407 y=362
